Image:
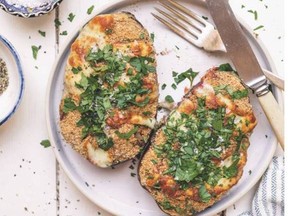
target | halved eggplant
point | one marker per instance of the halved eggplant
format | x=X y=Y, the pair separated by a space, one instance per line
x=200 y=151
x=110 y=97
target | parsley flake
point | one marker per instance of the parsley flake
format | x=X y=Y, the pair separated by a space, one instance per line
x=35 y=50
x=45 y=143
x=90 y=10
x=169 y=99
x=42 y=33
x=71 y=17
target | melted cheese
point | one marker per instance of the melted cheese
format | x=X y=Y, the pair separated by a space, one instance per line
x=99 y=156
x=139 y=120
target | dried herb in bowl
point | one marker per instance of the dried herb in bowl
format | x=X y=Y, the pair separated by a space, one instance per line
x=4 y=79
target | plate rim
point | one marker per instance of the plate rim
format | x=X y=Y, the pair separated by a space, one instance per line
x=106 y=7
x=17 y=59
x=25 y=12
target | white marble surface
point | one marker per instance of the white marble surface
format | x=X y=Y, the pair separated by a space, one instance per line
x=31 y=181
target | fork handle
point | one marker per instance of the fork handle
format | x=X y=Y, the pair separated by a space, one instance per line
x=274 y=115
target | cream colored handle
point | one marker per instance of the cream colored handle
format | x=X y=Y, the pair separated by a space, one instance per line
x=274 y=115
x=276 y=80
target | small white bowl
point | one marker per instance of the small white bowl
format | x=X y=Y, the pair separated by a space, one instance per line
x=11 y=97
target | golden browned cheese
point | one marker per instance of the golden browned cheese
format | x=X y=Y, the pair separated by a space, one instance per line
x=199 y=153
x=124 y=38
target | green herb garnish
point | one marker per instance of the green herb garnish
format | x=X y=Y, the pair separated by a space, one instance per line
x=90 y=10
x=76 y=70
x=64 y=33
x=57 y=23
x=258 y=27
x=204 y=194
x=71 y=17
x=189 y=74
x=225 y=67
x=35 y=50
x=42 y=33
x=69 y=105
x=45 y=143
x=128 y=134
x=169 y=99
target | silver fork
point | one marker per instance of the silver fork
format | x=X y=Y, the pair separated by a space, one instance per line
x=198 y=31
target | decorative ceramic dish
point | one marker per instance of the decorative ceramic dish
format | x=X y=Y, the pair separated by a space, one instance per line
x=29 y=8
x=118 y=190
x=10 y=98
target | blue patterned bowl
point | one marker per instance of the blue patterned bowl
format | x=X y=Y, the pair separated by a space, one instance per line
x=29 y=8
x=11 y=97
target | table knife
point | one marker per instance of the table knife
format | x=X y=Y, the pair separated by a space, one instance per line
x=246 y=63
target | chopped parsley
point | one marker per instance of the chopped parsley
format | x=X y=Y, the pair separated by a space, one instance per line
x=71 y=17
x=102 y=91
x=42 y=33
x=64 y=33
x=180 y=77
x=45 y=143
x=163 y=86
x=152 y=36
x=200 y=139
x=169 y=99
x=258 y=27
x=57 y=23
x=76 y=70
x=204 y=194
x=225 y=67
x=90 y=10
x=254 y=12
x=35 y=50
x=128 y=134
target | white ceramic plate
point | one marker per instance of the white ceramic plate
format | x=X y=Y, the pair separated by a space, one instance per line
x=115 y=189
x=11 y=97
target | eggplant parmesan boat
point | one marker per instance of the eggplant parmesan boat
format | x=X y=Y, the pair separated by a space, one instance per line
x=200 y=151
x=110 y=95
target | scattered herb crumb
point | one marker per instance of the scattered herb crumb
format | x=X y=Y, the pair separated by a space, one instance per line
x=35 y=50
x=205 y=18
x=254 y=13
x=42 y=33
x=174 y=86
x=258 y=27
x=163 y=86
x=131 y=167
x=45 y=143
x=152 y=36
x=57 y=23
x=133 y=174
x=86 y=183
x=242 y=6
x=64 y=33
x=169 y=99
x=36 y=67
x=177 y=47
x=90 y=9
x=71 y=17
x=250 y=172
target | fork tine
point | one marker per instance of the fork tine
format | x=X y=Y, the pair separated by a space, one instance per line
x=176 y=30
x=182 y=17
x=188 y=12
x=178 y=23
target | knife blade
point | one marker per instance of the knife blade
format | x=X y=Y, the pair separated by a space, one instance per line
x=246 y=63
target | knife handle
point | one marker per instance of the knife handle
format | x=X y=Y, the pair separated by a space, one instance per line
x=274 y=115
